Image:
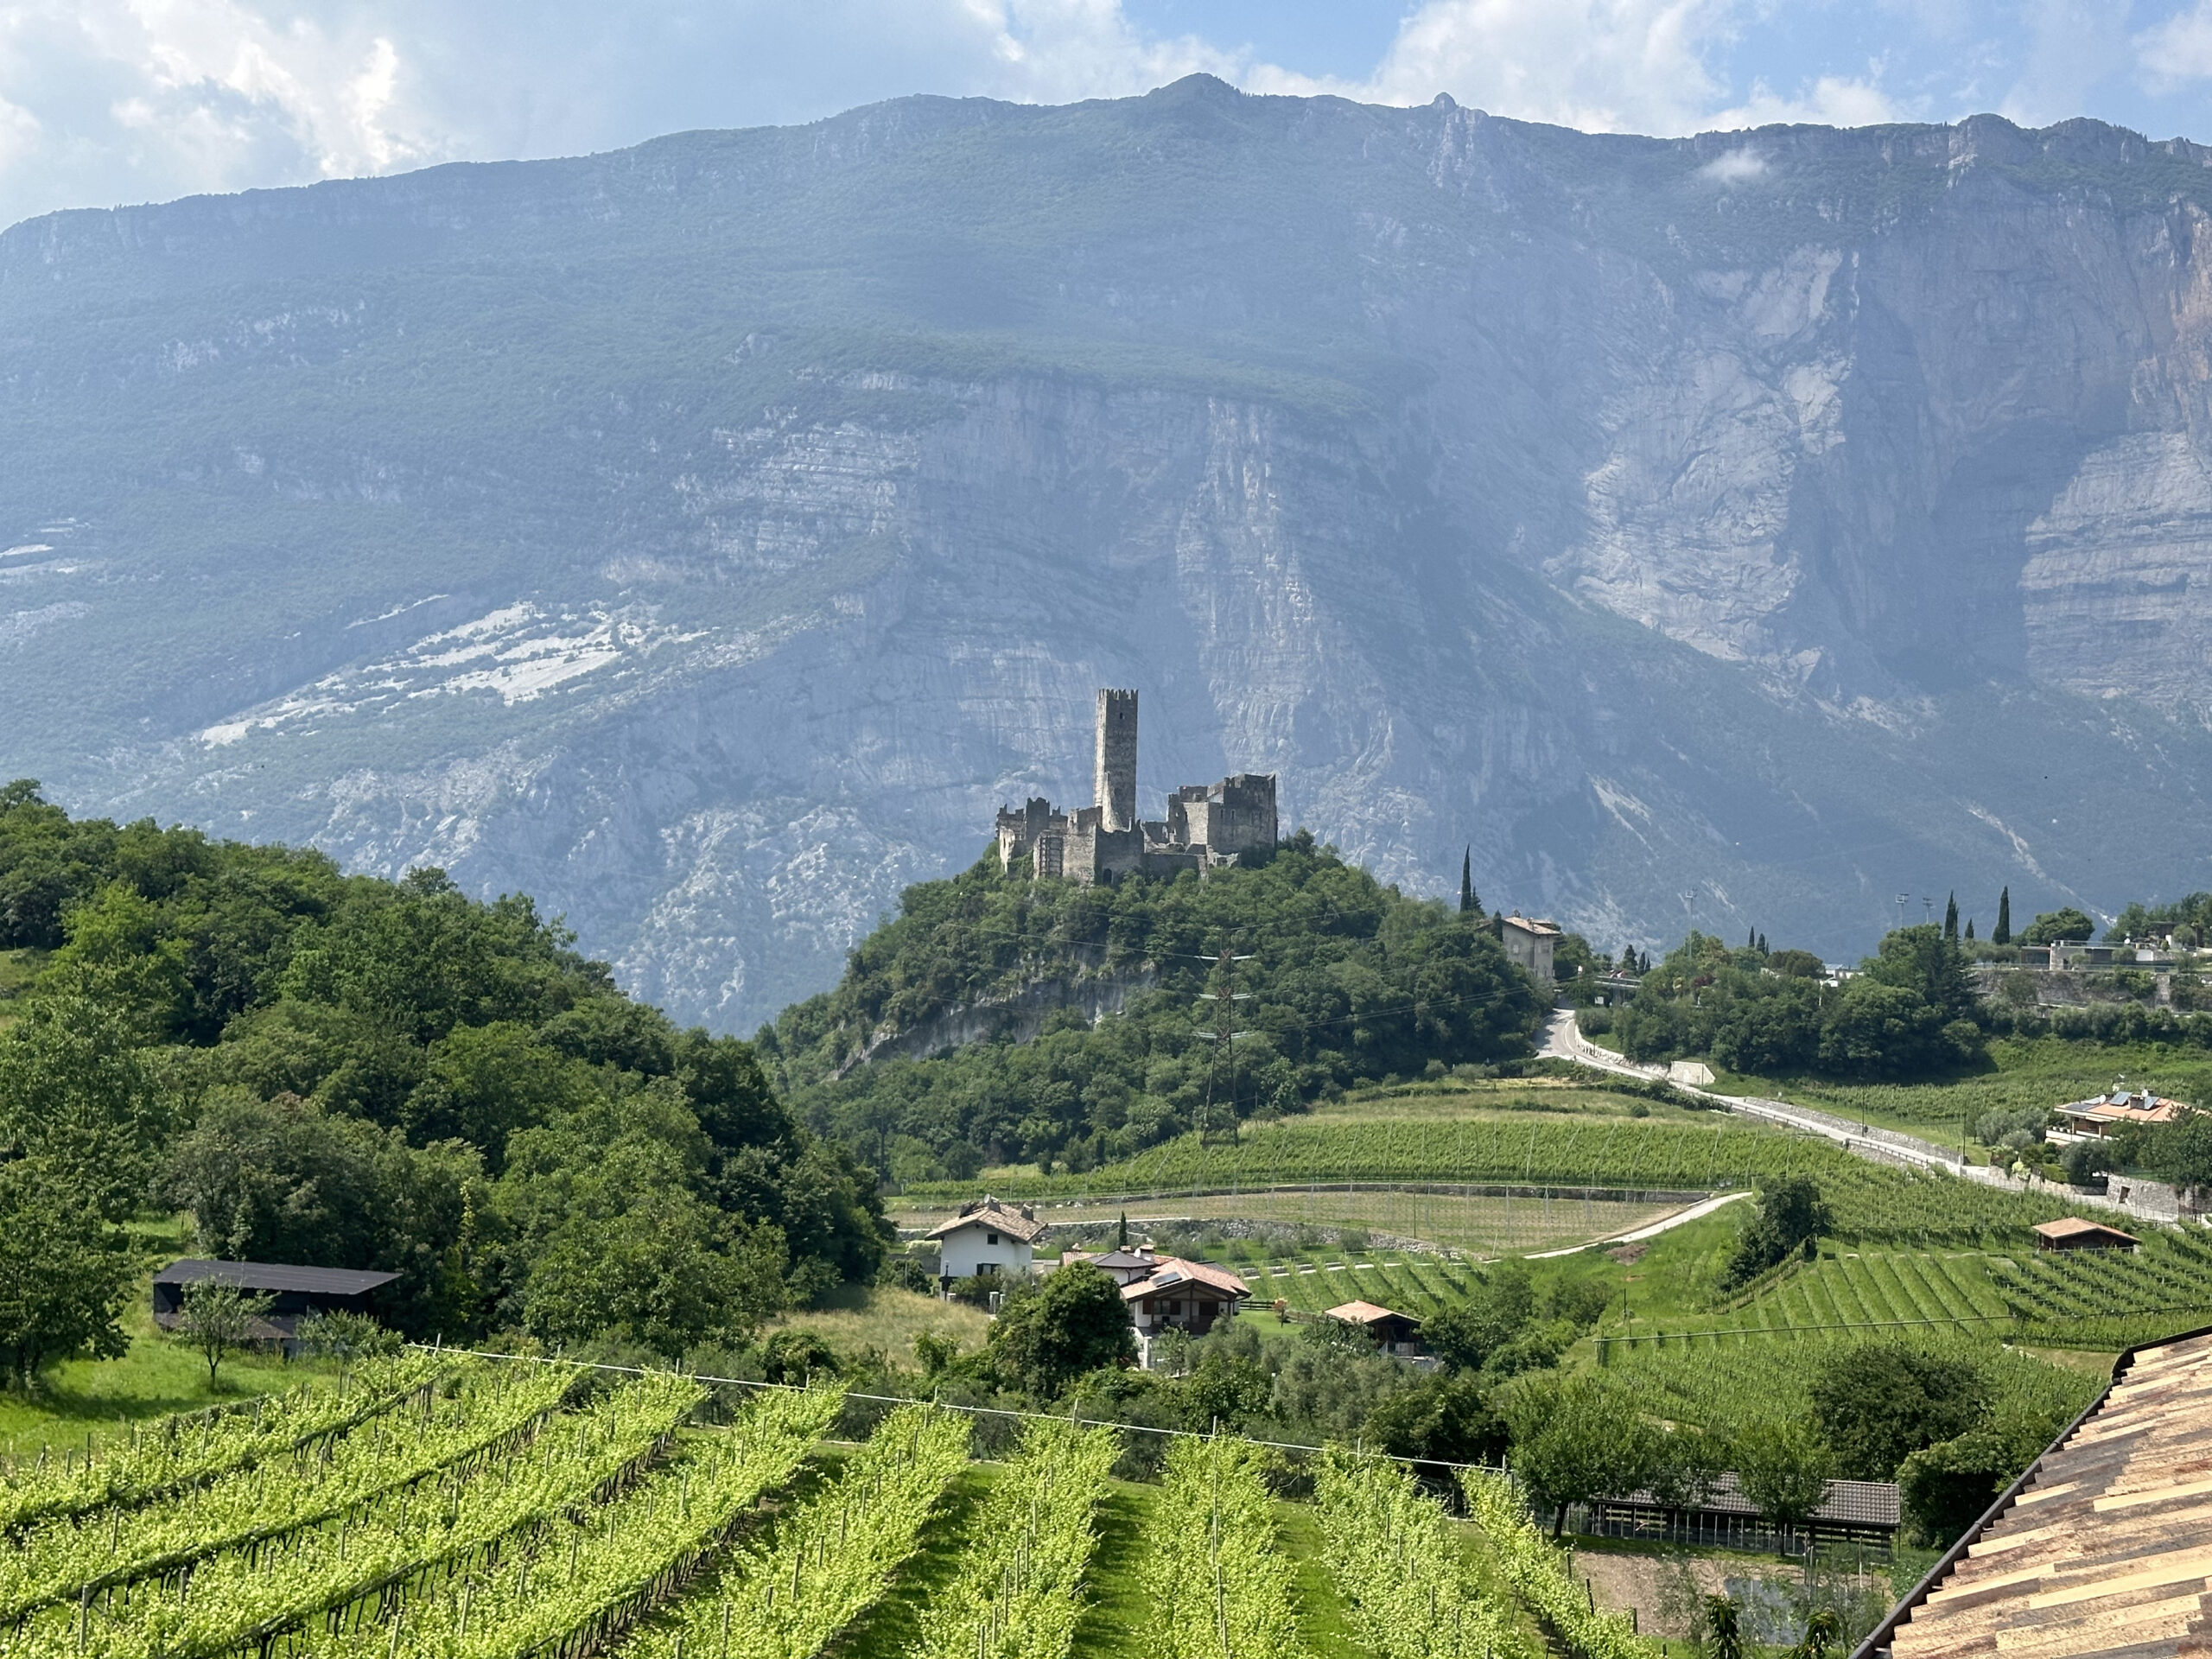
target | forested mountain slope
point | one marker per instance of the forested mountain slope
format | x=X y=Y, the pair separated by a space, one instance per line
x=1730 y=532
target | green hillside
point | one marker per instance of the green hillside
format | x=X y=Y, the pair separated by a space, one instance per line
x=1337 y=980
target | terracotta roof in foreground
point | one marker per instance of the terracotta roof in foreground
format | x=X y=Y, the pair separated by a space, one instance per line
x=2104 y=1548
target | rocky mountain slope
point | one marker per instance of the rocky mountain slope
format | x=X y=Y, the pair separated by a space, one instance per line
x=1739 y=531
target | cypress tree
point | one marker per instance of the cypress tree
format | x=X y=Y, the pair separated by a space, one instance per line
x=1751 y=940
x=1763 y=949
x=1969 y=930
x=1951 y=917
x=2002 y=933
x=1469 y=905
x=1122 y=1243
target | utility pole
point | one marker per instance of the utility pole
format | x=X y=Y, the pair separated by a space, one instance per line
x=1224 y=1035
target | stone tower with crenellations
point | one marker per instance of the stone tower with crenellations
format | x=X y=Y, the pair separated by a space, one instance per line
x=1208 y=826
x=1114 y=776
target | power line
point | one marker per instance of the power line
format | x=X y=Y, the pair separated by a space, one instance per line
x=945 y=1405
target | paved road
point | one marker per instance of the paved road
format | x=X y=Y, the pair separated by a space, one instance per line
x=1664 y=1224
x=1563 y=1039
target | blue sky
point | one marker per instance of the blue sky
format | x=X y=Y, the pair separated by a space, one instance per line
x=106 y=101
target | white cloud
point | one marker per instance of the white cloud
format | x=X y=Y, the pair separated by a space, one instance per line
x=1600 y=65
x=118 y=100
x=1603 y=66
x=1832 y=100
x=2072 y=45
x=2178 y=51
x=1737 y=167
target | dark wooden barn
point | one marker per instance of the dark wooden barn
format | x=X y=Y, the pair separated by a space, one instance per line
x=295 y=1293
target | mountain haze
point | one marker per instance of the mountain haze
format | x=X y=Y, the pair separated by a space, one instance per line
x=1734 y=531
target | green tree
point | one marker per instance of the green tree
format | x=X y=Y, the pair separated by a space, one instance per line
x=1929 y=963
x=1823 y=1627
x=1784 y=1467
x=1944 y=1488
x=1789 y=1219
x=1465 y=1333
x=2065 y=923
x=216 y=1317
x=1441 y=1419
x=2002 y=933
x=1574 y=1438
x=285 y=1180
x=64 y=1276
x=1723 y=1624
x=76 y=1094
x=1881 y=1401
x=346 y=1337
x=1049 y=1334
x=483 y=1083
x=1470 y=904
x=1951 y=917
x=665 y=1272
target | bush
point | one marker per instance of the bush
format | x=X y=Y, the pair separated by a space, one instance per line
x=2084 y=1164
x=1945 y=1488
x=1882 y=1401
x=1790 y=1218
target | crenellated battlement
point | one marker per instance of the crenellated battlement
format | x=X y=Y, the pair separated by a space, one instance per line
x=1207 y=825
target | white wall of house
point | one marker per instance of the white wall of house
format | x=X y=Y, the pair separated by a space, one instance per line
x=977 y=1248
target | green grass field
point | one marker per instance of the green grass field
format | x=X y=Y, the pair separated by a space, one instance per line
x=2026 y=1073
x=155 y=1377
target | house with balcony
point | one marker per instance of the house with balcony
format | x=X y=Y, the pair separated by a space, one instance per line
x=987 y=1239
x=1180 y=1295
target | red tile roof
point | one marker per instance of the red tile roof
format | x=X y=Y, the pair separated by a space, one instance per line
x=2075 y=1227
x=1367 y=1313
x=1174 y=1274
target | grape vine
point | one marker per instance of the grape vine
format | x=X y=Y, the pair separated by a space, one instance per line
x=1020 y=1590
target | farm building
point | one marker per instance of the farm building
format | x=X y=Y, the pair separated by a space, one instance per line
x=987 y=1238
x=1180 y=1295
x=2099 y=1547
x=1396 y=1333
x=1725 y=1517
x=293 y=1292
x=2075 y=1234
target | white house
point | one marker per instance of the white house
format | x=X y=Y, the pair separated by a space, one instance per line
x=986 y=1237
x=1530 y=943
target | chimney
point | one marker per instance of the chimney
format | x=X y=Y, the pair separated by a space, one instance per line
x=1115 y=777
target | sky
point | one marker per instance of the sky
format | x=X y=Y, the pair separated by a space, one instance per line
x=111 y=101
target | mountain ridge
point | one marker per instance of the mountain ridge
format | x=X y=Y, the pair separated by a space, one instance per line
x=1729 y=531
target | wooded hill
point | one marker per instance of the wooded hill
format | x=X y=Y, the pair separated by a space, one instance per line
x=1337 y=979
x=346 y=1071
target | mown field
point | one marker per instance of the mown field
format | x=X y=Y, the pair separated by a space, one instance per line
x=1305 y=1221
x=430 y=1508
x=1562 y=1137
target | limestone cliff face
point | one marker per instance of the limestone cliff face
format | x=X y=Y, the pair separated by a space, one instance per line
x=1736 y=532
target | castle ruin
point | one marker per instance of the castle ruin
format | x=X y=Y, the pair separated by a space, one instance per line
x=1208 y=826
